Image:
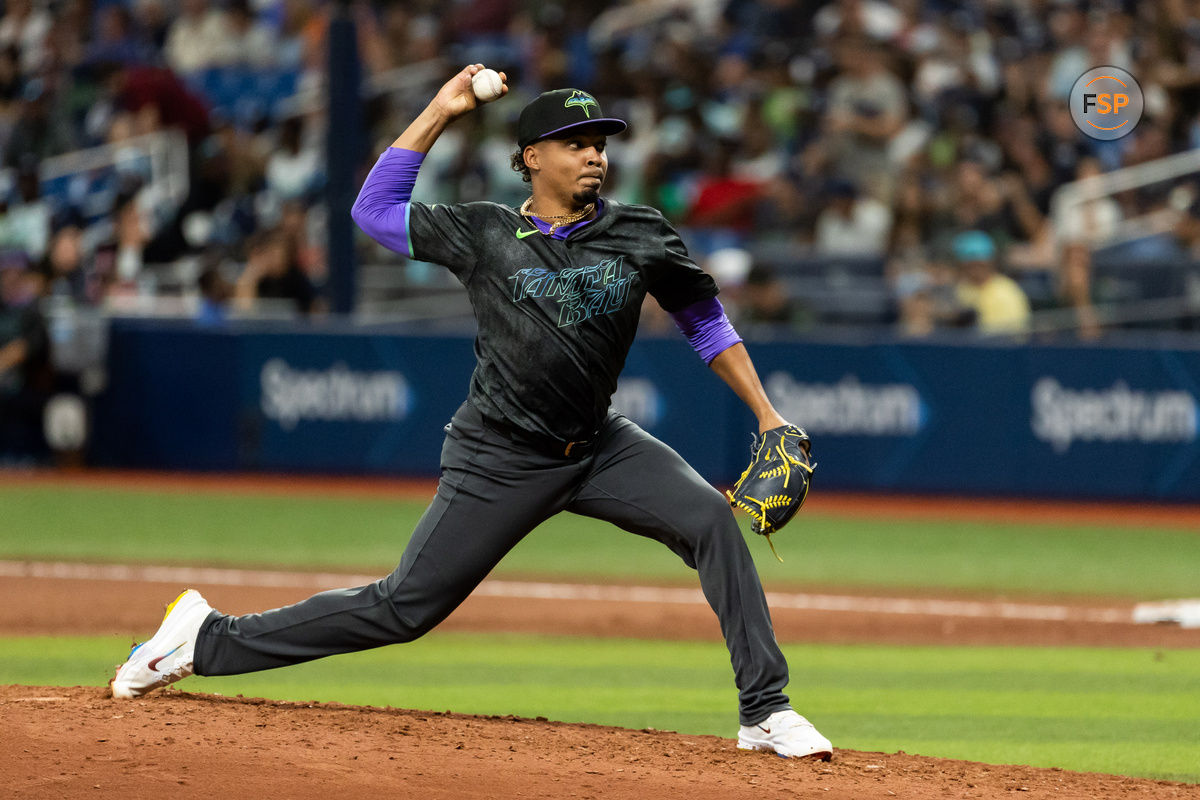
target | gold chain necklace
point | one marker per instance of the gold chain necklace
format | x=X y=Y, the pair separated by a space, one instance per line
x=559 y=220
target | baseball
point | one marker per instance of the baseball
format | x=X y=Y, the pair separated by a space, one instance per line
x=486 y=84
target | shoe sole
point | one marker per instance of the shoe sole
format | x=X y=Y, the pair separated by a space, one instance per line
x=816 y=755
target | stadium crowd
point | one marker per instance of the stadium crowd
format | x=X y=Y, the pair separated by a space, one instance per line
x=924 y=137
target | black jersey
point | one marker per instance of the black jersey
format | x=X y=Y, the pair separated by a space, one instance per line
x=556 y=317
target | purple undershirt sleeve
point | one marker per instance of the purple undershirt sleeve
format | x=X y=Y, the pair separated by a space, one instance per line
x=381 y=209
x=706 y=327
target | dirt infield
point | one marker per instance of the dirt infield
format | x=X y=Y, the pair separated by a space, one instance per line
x=76 y=742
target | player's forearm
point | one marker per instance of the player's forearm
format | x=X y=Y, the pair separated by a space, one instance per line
x=736 y=369
x=710 y=333
x=423 y=131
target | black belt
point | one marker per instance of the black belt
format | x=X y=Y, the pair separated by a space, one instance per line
x=548 y=445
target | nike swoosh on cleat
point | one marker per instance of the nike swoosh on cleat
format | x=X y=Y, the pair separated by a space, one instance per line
x=522 y=234
x=760 y=727
x=153 y=665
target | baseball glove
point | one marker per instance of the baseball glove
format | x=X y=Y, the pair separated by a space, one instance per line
x=774 y=486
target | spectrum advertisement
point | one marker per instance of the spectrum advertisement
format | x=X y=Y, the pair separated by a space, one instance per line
x=997 y=419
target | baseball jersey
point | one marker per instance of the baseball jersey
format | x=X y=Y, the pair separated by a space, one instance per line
x=556 y=318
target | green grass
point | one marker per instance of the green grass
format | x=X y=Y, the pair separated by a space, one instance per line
x=369 y=534
x=1123 y=711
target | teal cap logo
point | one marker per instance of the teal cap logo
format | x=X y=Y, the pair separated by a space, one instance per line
x=583 y=100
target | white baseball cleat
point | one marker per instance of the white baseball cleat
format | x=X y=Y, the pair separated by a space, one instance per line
x=786 y=734
x=167 y=656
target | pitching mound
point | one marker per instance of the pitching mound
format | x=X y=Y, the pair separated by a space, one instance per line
x=77 y=742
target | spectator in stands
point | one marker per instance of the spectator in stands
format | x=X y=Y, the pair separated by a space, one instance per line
x=215 y=294
x=421 y=32
x=994 y=301
x=867 y=107
x=481 y=27
x=758 y=156
x=313 y=38
x=852 y=225
x=917 y=308
x=150 y=16
x=26 y=377
x=1171 y=49
x=38 y=131
x=913 y=214
x=773 y=24
x=270 y=273
x=252 y=42
x=1075 y=288
x=1023 y=157
x=1069 y=29
x=295 y=16
x=118 y=41
x=63 y=269
x=877 y=20
x=10 y=79
x=786 y=211
x=1060 y=141
x=118 y=260
x=198 y=38
x=723 y=199
x=236 y=158
x=765 y=300
x=1027 y=227
x=1092 y=222
x=1150 y=141
x=308 y=254
x=150 y=99
x=999 y=206
x=25 y=219
x=294 y=168
x=953 y=68
x=917 y=286
x=24 y=26
x=788 y=108
x=1187 y=230
x=66 y=43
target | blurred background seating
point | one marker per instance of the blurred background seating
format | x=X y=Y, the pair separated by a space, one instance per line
x=840 y=145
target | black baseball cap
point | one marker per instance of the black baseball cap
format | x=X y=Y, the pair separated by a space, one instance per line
x=554 y=113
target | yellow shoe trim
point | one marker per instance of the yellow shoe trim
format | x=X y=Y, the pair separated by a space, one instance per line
x=171 y=605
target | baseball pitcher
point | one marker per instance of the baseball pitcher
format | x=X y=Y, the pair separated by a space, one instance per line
x=556 y=286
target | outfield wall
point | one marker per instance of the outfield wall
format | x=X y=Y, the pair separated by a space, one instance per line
x=1009 y=419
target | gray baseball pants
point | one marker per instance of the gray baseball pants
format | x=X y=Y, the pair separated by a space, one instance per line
x=495 y=488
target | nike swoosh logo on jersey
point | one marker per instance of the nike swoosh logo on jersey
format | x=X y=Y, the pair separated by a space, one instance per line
x=153 y=665
x=522 y=234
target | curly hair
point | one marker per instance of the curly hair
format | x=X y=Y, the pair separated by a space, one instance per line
x=519 y=165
